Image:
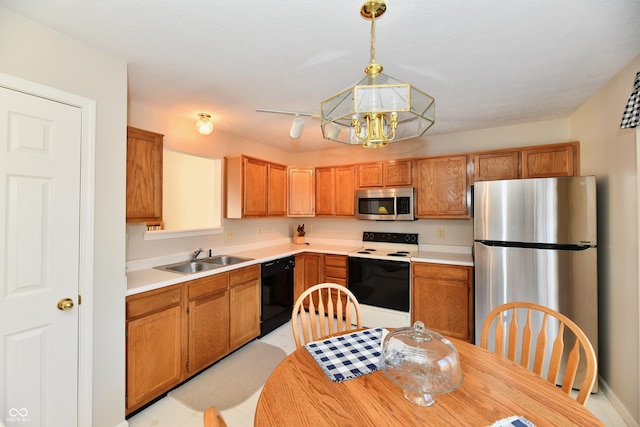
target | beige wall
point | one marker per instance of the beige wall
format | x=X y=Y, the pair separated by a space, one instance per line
x=611 y=153
x=33 y=52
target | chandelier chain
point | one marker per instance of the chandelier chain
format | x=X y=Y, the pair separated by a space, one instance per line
x=373 y=37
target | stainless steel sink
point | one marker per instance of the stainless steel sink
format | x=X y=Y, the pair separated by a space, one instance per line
x=190 y=267
x=187 y=267
x=221 y=260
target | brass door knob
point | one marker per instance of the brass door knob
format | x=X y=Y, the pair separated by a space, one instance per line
x=65 y=304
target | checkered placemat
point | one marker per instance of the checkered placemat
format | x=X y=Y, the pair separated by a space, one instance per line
x=348 y=356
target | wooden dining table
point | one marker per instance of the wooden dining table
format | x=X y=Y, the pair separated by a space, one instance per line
x=298 y=393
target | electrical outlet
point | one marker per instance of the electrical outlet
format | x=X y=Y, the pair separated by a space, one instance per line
x=259 y=231
x=229 y=234
x=440 y=233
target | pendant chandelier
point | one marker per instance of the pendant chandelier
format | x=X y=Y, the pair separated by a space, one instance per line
x=378 y=109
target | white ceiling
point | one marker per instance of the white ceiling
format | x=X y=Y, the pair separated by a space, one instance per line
x=486 y=62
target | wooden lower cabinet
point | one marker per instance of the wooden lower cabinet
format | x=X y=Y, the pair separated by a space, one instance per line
x=335 y=269
x=442 y=298
x=308 y=272
x=244 y=291
x=154 y=333
x=208 y=320
x=175 y=332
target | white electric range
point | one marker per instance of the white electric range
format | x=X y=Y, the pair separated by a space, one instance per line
x=379 y=277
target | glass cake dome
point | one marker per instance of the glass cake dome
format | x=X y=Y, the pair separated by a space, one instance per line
x=422 y=362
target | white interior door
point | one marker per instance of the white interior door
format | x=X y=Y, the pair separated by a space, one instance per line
x=40 y=159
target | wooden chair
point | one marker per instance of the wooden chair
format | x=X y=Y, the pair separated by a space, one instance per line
x=324 y=309
x=564 y=326
x=213 y=418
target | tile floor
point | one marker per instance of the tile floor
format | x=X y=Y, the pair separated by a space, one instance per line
x=169 y=413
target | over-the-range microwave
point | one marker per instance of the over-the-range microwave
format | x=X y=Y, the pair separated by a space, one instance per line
x=385 y=204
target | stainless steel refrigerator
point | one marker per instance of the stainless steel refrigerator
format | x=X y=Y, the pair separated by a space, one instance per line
x=535 y=241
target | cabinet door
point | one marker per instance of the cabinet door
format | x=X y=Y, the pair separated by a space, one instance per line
x=442 y=298
x=277 y=190
x=244 y=305
x=325 y=191
x=370 y=175
x=345 y=193
x=208 y=330
x=245 y=313
x=301 y=192
x=441 y=187
x=144 y=175
x=550 y=160
x=498 y=165
x=397 y=173
x=154 y=355
x=255 y=184
x=308 y=272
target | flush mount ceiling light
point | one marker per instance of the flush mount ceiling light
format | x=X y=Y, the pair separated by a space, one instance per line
x=296 y=125
x=204 y=124
x=378 y=109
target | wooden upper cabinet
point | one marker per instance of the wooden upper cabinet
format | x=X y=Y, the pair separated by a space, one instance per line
x=254 y=188
x=441 y=187
x=370 y=175
x=277 y=191
x=325 y=191
x=301 y=191
x=394 y=173
x=551 y=160
x=537 y=161
x=144 y=175
x=256 y=173
x=335 y=191
x=398 y=173
x=345 y=200
x=496 y=165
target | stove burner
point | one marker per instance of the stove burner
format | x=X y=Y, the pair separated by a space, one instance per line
x=398 y=254
x=369 y=249
x=364 y=252
x=402 y=252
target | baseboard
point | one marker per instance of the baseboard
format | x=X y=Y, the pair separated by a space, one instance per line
x=617 y=404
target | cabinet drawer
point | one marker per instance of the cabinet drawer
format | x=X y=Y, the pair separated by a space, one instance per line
x=442 y=271
x=207 y=285
x=335 y=261
x=152 y=301
x=335 y=272
x=245 y=274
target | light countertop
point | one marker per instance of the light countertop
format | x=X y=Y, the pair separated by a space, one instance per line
x=147 y=279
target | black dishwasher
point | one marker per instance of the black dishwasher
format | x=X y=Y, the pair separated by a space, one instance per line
x=277 y=293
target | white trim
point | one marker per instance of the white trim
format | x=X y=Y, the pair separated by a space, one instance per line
x=172 y=234
x=638 y=238
x=87 y=207
x=617 y=404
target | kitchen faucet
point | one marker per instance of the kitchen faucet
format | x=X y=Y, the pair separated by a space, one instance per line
x=197 y=252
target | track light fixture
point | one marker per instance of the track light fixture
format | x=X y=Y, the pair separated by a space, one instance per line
x=297 y=124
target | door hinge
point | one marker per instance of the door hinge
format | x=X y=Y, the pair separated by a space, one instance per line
x=79 y=299
x=187 y=366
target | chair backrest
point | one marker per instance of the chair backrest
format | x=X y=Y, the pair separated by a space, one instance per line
x=213 y=418
x=324 y=309
x=499 y=318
